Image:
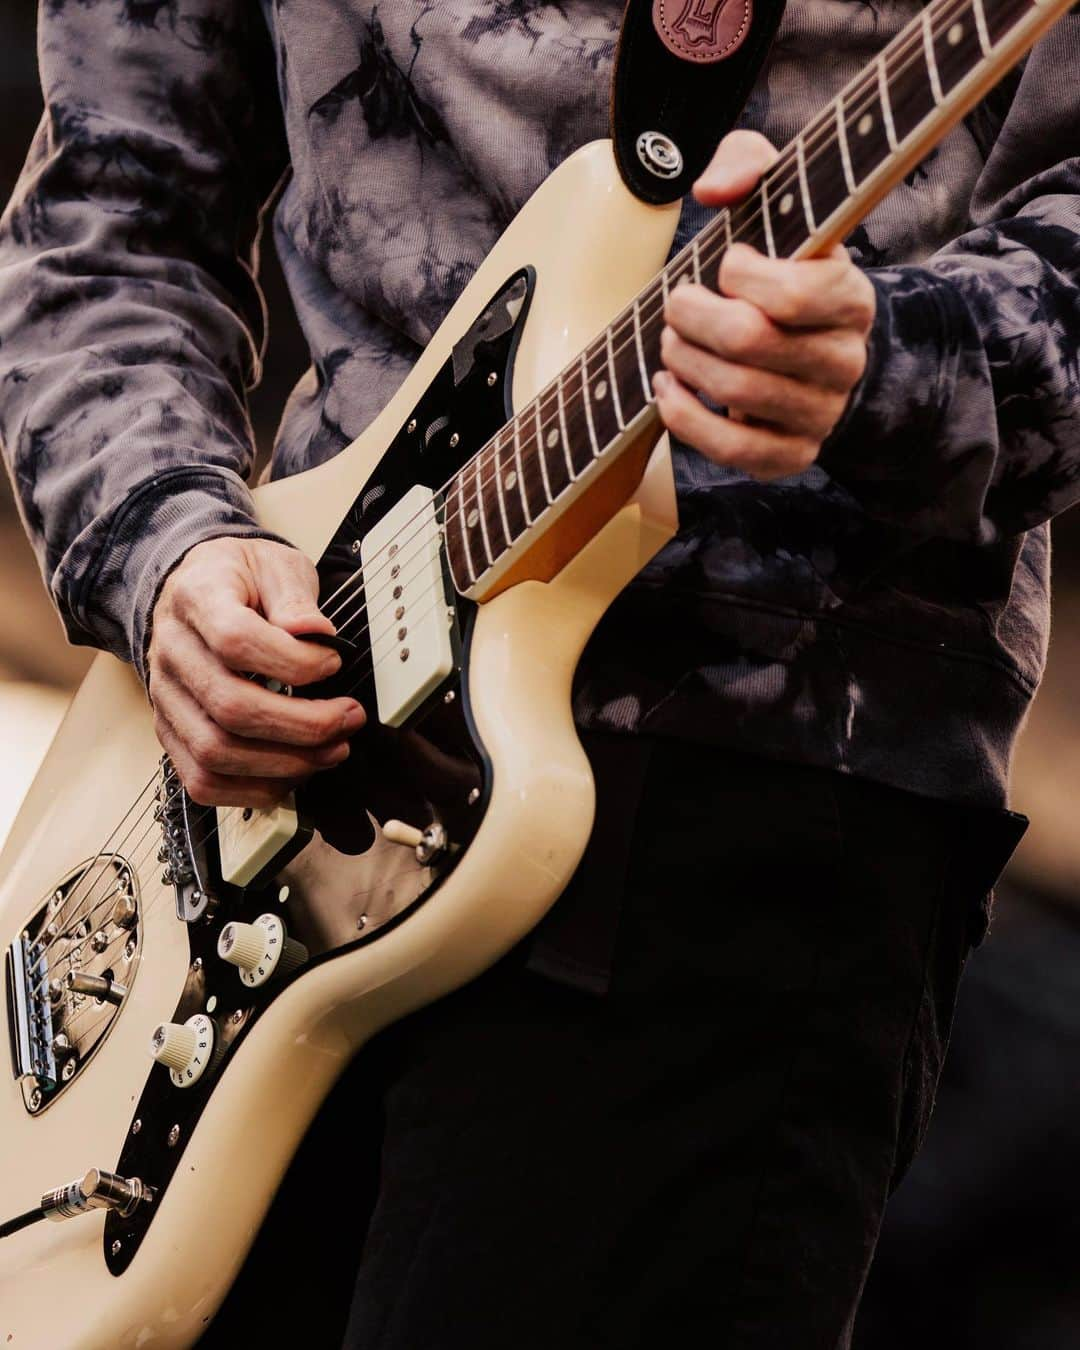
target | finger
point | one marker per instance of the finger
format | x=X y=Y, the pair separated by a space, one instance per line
x=214 y=750
x=762 y=452
x=827 y=292
x=245 y=707
x=744 y=391
x=740 y=332
x=247 y=642
x=288 y=588
x=211 y=789
x=740 y=160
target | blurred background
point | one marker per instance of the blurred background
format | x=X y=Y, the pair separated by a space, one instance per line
x=980 y=1245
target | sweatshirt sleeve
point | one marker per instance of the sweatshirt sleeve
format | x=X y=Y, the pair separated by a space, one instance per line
x=966 y=424
x=130 y=318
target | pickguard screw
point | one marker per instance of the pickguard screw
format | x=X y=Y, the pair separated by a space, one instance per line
x=361 y=922
x=411 y=427
x=129 y=949
x=238 y=1015
x=247 y=813
x=174 y=1136
x=115 y=1248
x=355 y=546
x=449 y=696
x=492 y=378
x=454 y=440
x=136 y=1126
x=197 y=963
x=474 y=796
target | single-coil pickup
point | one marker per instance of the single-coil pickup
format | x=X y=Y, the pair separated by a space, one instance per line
x=409 y=621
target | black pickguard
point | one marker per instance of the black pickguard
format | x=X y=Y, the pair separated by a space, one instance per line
x=431 y=771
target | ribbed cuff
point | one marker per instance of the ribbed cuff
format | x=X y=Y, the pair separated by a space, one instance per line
x=148 y=536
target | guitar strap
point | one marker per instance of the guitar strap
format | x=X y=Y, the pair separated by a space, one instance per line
x=683 y=72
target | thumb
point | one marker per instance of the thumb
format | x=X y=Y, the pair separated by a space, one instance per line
x=288 y=588
x=740 y=160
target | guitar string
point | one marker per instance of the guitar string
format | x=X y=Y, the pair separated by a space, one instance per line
x=91 y=906
x=819 y=135
x=864 y=83
x=830 y=115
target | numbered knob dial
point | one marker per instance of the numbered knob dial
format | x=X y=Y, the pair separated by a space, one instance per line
x=185 y=1049
x=260 y=950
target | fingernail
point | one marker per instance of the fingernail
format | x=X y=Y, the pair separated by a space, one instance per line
x=354 y=719
x=331 y=665
x=333 y=754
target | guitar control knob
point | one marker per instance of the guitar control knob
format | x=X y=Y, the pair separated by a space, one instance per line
x=185 y=1049
x=260 y=950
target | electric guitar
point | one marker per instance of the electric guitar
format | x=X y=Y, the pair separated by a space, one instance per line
x=182 y=981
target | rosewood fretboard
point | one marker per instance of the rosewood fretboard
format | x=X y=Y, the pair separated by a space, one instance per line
x=824 y=181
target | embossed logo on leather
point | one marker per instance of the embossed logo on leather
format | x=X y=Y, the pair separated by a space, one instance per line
x=702 y=30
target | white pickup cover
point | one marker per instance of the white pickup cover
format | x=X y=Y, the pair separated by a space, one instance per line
x=250 y=841
x=407 y=613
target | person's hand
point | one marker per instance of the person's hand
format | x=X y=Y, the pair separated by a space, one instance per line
x=781 y=348
x=230 y=609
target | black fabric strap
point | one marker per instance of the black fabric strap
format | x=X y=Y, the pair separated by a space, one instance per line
x=693 y=104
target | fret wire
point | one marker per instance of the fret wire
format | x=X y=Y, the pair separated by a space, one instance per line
x=980 y=27
x=695 y=257
x=931 y=58
x=640 y=352
x=499 y=491
x=562 y=425
x=481 y=508
x=763 y=192
x=459 y=485
x=616 y=402
x=841 y=136
x=804 y=187
x=727 y=225
x=540 y=452
x=858 y=90
x=521 y=473
x=664 y=283
x=886 y=104
x=588 y=406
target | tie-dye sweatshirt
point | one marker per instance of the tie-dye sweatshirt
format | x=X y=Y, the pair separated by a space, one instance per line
x=884 y=614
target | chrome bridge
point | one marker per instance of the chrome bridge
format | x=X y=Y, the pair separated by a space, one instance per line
x=68 y=974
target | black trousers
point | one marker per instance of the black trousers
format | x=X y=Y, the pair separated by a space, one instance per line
x=701 y=1155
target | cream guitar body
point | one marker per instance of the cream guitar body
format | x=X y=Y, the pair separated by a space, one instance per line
x=384 y=923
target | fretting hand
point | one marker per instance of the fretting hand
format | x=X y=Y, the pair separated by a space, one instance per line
x=781 y=348
x=233 y=606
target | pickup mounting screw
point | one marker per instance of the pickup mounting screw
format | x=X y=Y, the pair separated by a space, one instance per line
x=354 y=547
x=115 y=1248
x=412 y=426
x=449 y=696
x=67 y=1073
x=454 y=441
x=404 y=654
x=492 y=379
x=361 y=923
x=174 y=1136
x=197 y=963
x=238 y=1015
x=136 y=1125
x=35 y=1100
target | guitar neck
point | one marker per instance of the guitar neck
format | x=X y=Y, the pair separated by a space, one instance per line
x=822 y=185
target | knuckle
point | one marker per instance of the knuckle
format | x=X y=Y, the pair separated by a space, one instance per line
x=749 y=331
x=231 y=642
x=227 y=707
x=200 y=786
x=208 y=750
